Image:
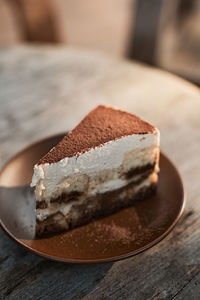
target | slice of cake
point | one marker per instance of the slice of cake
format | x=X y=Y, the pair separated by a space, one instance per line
x=106 y=163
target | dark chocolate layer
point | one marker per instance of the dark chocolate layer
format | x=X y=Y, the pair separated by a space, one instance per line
x=101 y=125
x=139 y=170
x=41 y=204
x=67 y=197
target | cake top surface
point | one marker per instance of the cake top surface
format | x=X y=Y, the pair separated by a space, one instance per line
x=101 y=125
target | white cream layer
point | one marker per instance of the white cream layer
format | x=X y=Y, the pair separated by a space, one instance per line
x=49 y=177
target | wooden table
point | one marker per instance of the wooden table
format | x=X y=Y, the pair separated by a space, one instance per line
x=47 y=90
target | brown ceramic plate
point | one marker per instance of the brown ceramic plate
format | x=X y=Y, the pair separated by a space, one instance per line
x=115 y=237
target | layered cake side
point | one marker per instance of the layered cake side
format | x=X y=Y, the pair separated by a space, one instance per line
x=106 y=163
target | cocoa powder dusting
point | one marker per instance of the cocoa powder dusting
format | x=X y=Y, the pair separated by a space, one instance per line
x=114 y=233
x=101 y=125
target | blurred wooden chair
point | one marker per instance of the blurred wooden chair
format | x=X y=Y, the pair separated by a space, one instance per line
x=31 y=21
x=151 y=31
x=152 y=17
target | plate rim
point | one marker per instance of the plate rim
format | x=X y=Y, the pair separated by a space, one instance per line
x=102 y=260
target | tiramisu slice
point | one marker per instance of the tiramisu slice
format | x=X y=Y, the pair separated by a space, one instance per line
x=106 y=163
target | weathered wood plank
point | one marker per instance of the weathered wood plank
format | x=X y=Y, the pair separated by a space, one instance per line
x=190 y=291
x=47 y=90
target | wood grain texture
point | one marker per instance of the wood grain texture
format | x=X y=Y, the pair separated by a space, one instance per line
x=47 y=90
